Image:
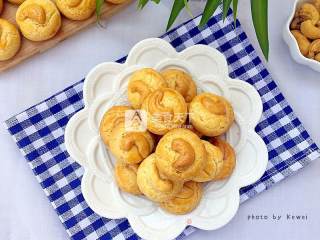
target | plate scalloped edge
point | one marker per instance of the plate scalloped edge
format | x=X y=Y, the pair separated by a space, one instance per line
x=103 y=87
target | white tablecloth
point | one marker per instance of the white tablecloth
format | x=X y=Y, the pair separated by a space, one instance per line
x=25 y=213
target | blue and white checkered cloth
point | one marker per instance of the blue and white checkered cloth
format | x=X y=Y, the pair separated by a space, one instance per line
x=39 y=132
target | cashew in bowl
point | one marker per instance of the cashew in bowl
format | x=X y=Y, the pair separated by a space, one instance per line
x=309 y=12
x=302 y=41
x=314 y=50
x=296 y=23
x=309 y=30
x=316 y=3
x=305 y=28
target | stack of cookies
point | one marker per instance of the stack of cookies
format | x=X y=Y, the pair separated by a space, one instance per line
x=40 y=20
x=181 y=147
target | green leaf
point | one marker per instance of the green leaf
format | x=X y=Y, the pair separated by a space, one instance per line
x=209 y=10
x=142 y=3
x=156 y=1
x=177 y=7
x=99 y=4
x=188 y=8
x=235 y=11
x=226 y=5
x=259 y=11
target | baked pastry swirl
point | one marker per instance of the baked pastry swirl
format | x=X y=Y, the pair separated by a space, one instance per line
x=126 y=177
x=180 y=155
x=142 y=83
x=76 y=9
x=229 y=158
x=113 y=117
x=181 y=82
x=210 y=114
x=130 y=147
x=187 y=200
x=38 y=20
x=10 y=40
x=166 y=109
x=152 y=185
x=214 y=163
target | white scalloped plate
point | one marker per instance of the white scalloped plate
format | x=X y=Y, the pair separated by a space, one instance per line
x=106 y=85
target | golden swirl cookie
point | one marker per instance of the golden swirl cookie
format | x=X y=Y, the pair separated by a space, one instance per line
x=9 y=40
x=187 y=200
x=210 y=114
x=113 y=117
x=152 y=185
x=180 y=155
x=17 y=2
x=76 y=9
x=192 y=129
x=142 y=83
x=126 y=177
x=166 y=109
x=213 y=165
x=130 y=147
x=229 y=158
x=181 y=82
x=38 y=20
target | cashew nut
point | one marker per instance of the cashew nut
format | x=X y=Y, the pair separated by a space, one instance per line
x=317 y=57
x=186 y=154
x=296 y=23
x=316 y=3
x=138 y=140
x=309 y=12
x=302 y=41
x=314 y=49
x=216 y=107
x=34 y=12
x=310 y=30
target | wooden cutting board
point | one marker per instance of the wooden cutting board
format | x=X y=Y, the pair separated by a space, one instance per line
x=69 y=28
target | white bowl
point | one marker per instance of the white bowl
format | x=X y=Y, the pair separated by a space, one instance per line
x=292 y=43
x=106 y=85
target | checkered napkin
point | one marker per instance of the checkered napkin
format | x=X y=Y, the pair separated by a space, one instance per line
x=39 y=132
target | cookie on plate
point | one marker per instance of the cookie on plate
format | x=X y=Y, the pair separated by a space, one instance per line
x=76 y=9
x=142 y=83
x=130 y=147
x=113 y=117
x=187 y=200
x=181 y=82
x=38 y=20
x=126 y=177
x=214 y=163
x=210 y=114
x=10 y=40
x=180 y=155
x=166 y=109
x=229 y=158
x=153 y=185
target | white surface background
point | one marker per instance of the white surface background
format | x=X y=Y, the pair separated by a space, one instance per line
x=25 y=212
